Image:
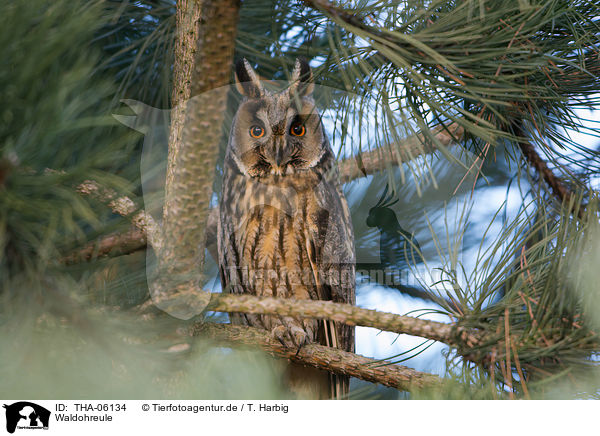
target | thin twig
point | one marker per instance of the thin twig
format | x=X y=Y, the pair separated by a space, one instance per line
x=557 y=185
x=519 y=371
x=507 y=360
x=340 y=14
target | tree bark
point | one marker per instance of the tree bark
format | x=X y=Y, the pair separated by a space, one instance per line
x=319 y=356
x=125 y=207
x=115 y=244
x=450 y=334
x=205 y=44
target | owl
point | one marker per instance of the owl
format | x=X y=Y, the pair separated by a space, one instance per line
x=284 y=228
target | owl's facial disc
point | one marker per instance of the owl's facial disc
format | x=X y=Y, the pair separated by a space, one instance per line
x=275 y=138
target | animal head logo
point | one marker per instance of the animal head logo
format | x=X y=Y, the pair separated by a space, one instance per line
x=27 y=415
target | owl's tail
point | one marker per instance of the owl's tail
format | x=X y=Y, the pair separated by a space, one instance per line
x=311 y=383
x=339 y=384
x=308 y=383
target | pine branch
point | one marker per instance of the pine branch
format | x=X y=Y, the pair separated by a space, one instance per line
x=571 y=71
x=382 y=158
x=125 y=207
x=115 y=244
x=340 y=14
x=319 y=356
x=450 y=334
x=556 y=184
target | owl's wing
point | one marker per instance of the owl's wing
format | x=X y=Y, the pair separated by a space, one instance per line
x=330 y=249
x=232 y=280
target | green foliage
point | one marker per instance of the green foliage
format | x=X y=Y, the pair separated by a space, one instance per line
x=542 y=323
x=55 y=132
x=487 y=65
x=70 y=348
x=137 y=42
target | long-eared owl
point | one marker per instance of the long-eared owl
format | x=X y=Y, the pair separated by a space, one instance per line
x=284 y=227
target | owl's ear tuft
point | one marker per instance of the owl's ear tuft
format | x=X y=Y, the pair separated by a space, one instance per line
x=302 y=79
x=246 y=80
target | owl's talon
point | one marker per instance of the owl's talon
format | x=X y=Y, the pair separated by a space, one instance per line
x=280 y=333
x=290 y=335
x=296 y=332
x=299 y=337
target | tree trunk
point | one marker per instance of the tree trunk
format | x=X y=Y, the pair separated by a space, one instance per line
x=203 y=57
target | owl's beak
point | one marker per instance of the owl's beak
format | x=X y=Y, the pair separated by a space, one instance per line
x=279 y=151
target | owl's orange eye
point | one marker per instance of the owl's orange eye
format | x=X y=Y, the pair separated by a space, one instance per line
x=257 y=132
x=297 y=129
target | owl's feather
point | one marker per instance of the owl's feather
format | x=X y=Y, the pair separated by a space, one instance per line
x=284 y=228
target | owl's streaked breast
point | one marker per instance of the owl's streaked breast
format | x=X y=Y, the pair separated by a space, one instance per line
x=275 y=220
